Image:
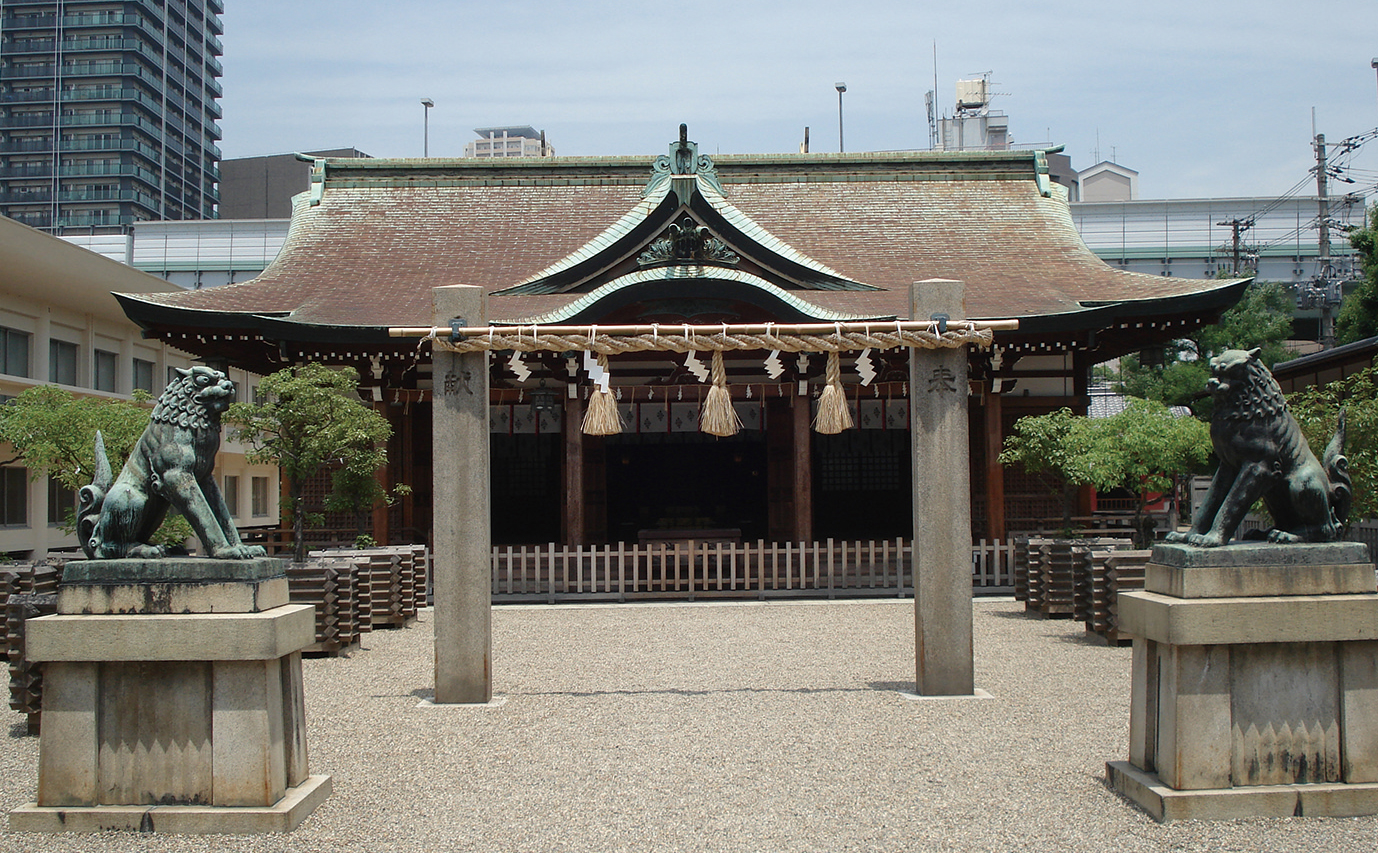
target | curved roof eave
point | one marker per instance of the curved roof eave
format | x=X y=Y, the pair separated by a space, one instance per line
x=1100 y=315
x=148 y=314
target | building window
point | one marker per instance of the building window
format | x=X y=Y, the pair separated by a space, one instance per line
x=143 y=375
x=14 y=354
x=62 y=503
x=62 y=362
x=105 y=371
x=260 y=496
x=230 y=492
x=14 y=497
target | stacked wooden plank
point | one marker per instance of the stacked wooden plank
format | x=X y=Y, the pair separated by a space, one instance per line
x=420 y=587
x=1056 y=568
x=1086 y=555
x=1035 y=574
x=1083 y=600
x=382 y=572
x=1059 y=567
x=326 y=585
x=1021 y=568
x=27 y=591
x=26 y=677
x=1121 y=571
x=358 y=590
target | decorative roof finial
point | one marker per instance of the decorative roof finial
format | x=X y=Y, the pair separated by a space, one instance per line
x=685 y=165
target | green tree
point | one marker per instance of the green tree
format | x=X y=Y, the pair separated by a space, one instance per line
x=53 y=430
x=1142 y=448
x=1358 y=317
x=1317 y=410
x=1261 y=318
x=309 y=419
x=1042 y=445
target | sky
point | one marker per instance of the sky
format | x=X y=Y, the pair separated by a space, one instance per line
x=1211 y=98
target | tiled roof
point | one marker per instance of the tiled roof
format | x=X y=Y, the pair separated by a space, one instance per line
x=386 y=231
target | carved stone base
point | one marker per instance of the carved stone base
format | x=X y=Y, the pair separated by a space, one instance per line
x=1167 y=804
x=1255 y=685
x=283 y=816
x=156 y=717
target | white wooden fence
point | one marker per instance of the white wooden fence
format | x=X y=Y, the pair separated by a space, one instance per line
x=689 y=570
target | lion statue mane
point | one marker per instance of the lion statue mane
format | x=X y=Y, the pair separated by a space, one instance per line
x=1263 y=454
x=170 y=468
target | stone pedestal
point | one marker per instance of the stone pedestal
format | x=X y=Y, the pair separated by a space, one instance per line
x=1255 y=683
x=172 y=703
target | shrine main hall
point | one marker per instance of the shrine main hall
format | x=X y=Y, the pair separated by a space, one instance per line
x=693 y=248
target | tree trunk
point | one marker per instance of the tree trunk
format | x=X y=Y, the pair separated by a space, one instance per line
x=1069 y=494
x=298 y=521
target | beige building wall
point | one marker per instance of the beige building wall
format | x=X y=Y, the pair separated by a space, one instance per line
x=53 y=291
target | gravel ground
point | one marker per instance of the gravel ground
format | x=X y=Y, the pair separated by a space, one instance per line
x=744 y=727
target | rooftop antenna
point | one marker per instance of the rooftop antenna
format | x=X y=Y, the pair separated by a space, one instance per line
x=928 y=98
x=935 y=67
x=932 y=99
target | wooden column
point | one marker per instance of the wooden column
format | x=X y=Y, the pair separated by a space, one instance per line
x=1081 y=390
x=995 y=472
x=404 y=422
x=803 y=471
x=574 y=525
x=381 y=534
x=462 y=563
x=938 y=426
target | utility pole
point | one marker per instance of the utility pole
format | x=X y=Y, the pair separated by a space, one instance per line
x=1323 y=284
x=1239 y=226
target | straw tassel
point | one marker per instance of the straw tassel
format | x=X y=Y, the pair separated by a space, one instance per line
x=602 y=417
x=718 y=417
x=833 y=415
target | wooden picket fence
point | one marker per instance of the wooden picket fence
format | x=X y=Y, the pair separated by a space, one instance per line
x=688 y=569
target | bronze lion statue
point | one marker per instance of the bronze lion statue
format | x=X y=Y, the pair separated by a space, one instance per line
x=170 y=468
x=1263 y=454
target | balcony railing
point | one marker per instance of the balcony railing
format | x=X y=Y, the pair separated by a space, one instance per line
x=40 y=96
x=36 y=197
x=77 y=220
x=111 y=194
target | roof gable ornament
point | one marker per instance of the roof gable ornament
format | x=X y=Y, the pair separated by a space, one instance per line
x=687 y=242
x=682 y=168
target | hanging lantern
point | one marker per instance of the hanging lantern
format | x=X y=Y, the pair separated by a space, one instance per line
x=544 y=400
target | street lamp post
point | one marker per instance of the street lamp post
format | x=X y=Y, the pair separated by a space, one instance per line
x=1374 y=63
x=841 y=87
x=426 y=104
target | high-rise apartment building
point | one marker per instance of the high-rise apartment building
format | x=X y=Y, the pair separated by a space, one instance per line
x=108 y=111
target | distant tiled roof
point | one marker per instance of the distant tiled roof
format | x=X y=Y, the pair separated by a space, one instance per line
x=1105 y=403
x=384 y=232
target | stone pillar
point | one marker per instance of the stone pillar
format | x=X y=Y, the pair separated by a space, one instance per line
x=942 y=500
x=463 y=555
